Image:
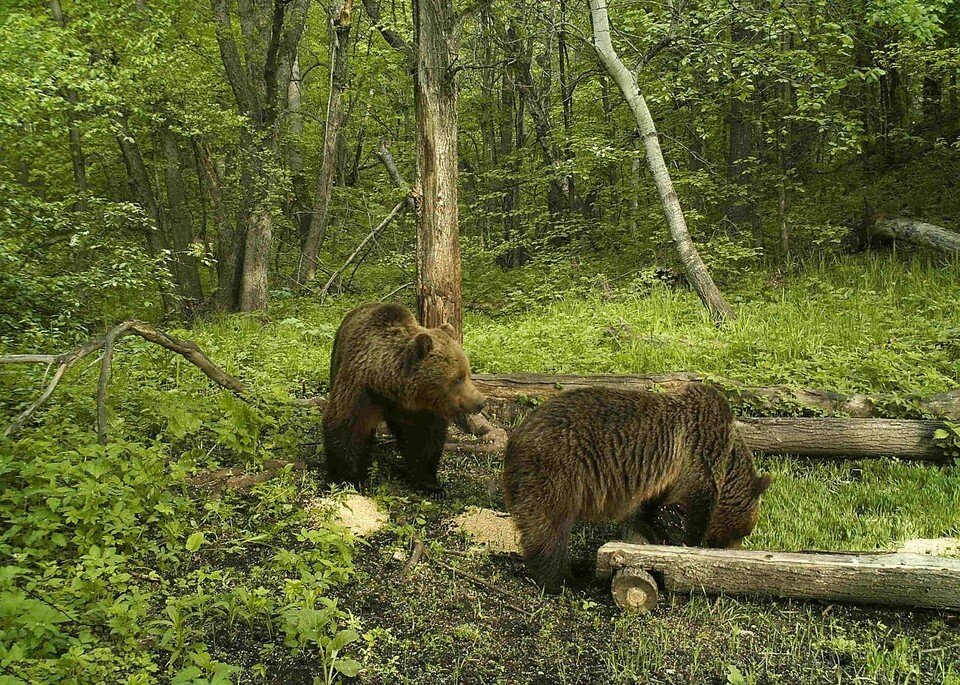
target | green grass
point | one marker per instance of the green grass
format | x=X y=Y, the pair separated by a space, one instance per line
x=867 y=323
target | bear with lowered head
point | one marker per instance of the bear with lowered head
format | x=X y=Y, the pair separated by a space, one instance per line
x=386 y=367
x=671 y=466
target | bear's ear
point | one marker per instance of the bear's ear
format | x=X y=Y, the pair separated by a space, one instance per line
x=448 y=329
x=422 y=346
x=763 y=483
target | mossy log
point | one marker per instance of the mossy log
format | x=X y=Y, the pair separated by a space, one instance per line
x=520 y=387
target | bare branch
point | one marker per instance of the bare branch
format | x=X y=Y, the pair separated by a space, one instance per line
x=383 y=224
x=185 y=348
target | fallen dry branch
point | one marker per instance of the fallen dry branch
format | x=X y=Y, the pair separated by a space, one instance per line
x=500 y=388
x=477 y=580
x=238 y=479
x=415 y=557
x=906 y=580
x=188 y=349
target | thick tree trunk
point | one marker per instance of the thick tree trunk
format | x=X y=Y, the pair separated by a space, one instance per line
x=139 y=179
x=906 y=580
x=185 y=263
x=695 y=268
x=260 y=83
x=917 y=232
x=254 y=280
x=228 y=277
x=339 y=29
x=522 y=387
x=435 y=99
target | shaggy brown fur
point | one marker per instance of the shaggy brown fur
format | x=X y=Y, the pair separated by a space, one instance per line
x=613 y=455
x=384 y=366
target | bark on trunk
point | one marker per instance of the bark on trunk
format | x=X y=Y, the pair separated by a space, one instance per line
x=185 y=263
x=906 y=580
x=259 y=80
x=435 y=99
x=695 y=268
x=339 y=29
x=139 y=179
x=844 y=438
x=751 y=399
x=228 y=278
x=917 y=232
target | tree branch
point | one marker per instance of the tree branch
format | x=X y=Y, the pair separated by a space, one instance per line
x=188 y=349
x=382 y=225
x=394 y=39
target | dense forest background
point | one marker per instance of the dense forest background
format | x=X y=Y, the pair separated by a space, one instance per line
x=242 y=174
x=155 y=157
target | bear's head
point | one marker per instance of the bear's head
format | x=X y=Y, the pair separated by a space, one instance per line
x=439 y=375
x=737 y=509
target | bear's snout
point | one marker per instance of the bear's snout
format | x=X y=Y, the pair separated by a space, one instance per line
x=471 y=401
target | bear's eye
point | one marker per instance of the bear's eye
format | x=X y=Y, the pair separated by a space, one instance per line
x=460 y=379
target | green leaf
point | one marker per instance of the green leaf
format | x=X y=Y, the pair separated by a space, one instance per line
x=343 y=638
x=735 y=676
x=194 y=541
x=348 y=667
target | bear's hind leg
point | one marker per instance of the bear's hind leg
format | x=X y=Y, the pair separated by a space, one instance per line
x=546 y=550
x=346 y=443
x=420 y=439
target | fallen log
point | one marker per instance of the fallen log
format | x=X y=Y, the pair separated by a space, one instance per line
x=916 y=232
x=823 y=437
x=519 y=387
x=844 y=438
x=634 y=589
x=905 y=580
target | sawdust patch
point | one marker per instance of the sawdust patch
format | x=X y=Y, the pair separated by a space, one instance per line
x=358 y=514
x=939 y=547
x=494 y=529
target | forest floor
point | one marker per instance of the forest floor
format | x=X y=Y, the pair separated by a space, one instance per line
x=253 y=588
x=867 y=325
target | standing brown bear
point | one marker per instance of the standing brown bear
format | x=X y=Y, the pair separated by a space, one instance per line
x=613 y=455
x=384 y=366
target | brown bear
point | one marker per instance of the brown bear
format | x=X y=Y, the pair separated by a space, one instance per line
x=384 y=366
x=671 y=465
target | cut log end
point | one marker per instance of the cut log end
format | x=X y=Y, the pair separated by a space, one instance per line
x=634 y=590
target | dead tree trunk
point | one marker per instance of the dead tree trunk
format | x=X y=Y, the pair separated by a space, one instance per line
x=906 y=580
x=918 y=233
x=752 y=399
x=844 y=438
x=435 y=100
x=695 y=268
x=339 y=28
